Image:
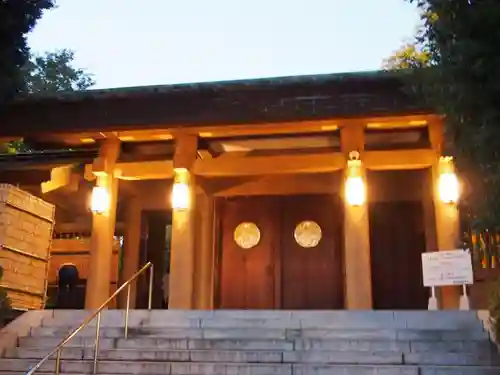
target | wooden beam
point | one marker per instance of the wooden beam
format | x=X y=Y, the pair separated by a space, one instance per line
x=262 y=165
x=151 y=170
x=186 y=150
x=436 y=135
x=158 y=132
x=352 y=138
x=61 y=177
x=325 y=183
x=239 y=164
x=399 y=159
x=141 y=170
x=25 y=177
x=108 y=154
x=81 y=227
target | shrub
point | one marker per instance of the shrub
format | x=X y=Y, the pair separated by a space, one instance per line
x=494 y=308
x=5 y=309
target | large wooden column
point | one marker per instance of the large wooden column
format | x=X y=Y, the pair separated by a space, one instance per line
x=203 y=277
x=132 y=243
x=358 y=282
x=181 y=289
x=448 y=237
x=447 y=218
x=103 y=228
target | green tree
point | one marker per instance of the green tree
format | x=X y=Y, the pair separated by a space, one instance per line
x=17 y=18
x=50 y=72
x=409 y=56
x=459 y=40
x=54 y=71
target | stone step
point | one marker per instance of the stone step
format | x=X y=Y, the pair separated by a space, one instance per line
x=130 y=367
x=110 y=368
x=262 y=324
x=349 y=357
x=159 y=343
x=48 y=343
x=425 y=320
x=262 y=356
x=262 y=333
x=392 y=370
x=401 y=345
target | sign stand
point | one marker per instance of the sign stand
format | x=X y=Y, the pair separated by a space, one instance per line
x=464 y=299
x=433 y=302
x=443 y=268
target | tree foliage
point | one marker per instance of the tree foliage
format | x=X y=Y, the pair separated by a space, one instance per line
x=409 y=56
x=494 y=308
x=17 y=18
x=460 y=40
x=50 y=72
x=54 y=71
x=5 y=308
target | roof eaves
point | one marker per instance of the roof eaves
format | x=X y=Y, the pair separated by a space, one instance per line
x=216 y=85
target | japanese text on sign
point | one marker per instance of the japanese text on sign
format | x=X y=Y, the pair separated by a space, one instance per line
x=442 y=268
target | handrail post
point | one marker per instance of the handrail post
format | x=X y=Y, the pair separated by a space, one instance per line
x=97 y=341
x=58 y=362
x=127 y=310
x=150 y=292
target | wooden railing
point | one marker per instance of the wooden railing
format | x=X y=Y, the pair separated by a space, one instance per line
x=485 y=251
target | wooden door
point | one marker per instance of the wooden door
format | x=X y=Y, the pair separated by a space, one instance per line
x=397 y=240
x=247 y=279
x=312 y=277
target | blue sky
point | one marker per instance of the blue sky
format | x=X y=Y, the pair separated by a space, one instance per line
x=149 y=42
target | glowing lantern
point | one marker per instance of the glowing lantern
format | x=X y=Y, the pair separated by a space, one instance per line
x=181 y=195
x=100 y=200
x=448 y=184
x=355 y=190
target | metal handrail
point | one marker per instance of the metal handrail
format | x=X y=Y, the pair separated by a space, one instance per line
x=97 y=314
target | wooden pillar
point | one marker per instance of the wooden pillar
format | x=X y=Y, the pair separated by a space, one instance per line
x=181 y=289
x=103 y=228
x=358 y=282
x=447 y=218
x=131 y=254
x=203 y=277
x=448 y=238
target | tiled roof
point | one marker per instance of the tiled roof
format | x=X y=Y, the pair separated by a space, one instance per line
x=313 y=97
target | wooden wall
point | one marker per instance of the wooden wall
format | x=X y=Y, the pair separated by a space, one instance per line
x=76 y=251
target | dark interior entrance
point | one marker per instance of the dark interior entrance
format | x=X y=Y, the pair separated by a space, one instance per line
x=397 y=240
x=155 y=248
x=278 y=272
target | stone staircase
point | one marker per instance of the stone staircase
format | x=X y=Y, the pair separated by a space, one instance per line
x=264 y=343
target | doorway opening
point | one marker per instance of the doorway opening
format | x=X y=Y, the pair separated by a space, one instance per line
x=155 y=248
x=397 y=239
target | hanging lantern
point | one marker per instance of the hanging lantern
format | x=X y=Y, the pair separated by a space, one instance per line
x=448 y=184
x=181 y=194
x=355 y=190
x=100 y=200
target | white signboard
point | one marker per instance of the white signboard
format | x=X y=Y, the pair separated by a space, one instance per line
x=442 y=268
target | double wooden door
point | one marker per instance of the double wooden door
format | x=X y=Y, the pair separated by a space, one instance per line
x=278 y=272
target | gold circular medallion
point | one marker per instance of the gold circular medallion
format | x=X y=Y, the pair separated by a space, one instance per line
x=247 y=235
x=307 y=234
